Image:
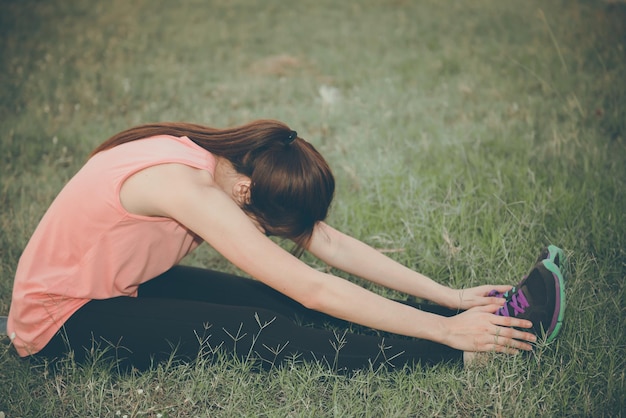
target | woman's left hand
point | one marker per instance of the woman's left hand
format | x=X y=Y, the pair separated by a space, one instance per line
x=477 y=296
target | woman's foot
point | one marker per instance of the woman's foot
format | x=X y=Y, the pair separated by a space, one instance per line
x=539 y=298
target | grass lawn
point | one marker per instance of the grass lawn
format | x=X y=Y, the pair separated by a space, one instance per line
x=464 y=136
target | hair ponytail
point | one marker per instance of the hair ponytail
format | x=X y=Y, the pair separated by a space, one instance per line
x=292 y=186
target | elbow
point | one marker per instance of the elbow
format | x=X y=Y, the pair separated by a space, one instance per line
x=314 y=298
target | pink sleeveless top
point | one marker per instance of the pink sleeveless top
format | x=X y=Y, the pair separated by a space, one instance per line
x=87 y=246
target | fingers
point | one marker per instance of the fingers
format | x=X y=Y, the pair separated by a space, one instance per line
x=507 y=321
x=478 y=296
x=492 y=308
x=504 y=328
x=507 y=339
x=503 y=344
x=500 y=288
x=495 y=301
x=523 y=336
x=513 y=338
x=503 y=321
x=491 y=332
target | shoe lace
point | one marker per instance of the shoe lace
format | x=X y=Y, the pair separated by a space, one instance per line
x=505 y=295
x=517 y=302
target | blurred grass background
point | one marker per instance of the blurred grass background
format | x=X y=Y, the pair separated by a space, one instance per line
x=463 y=135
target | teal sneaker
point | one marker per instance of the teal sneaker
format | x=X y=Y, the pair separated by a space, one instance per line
x=539 y=298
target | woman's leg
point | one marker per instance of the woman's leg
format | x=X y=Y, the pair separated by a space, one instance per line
x=192 y=283
x=174 y=311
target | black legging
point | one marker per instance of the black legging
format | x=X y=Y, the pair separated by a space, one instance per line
x=197 y=311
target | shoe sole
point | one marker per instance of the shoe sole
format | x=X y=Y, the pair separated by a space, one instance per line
x=559 y=311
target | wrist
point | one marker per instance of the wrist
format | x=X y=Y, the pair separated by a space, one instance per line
x=452 y=298
x=440 y=332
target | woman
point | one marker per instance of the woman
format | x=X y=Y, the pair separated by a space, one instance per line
x=101 y=270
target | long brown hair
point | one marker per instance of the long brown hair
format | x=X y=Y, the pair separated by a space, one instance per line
x=292 y=186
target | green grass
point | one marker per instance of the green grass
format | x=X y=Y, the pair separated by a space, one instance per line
x=466 y=135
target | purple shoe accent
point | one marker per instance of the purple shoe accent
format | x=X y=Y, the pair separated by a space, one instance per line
x=518 y=302
x=505 y=295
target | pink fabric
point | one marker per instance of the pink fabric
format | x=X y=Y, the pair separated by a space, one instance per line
x=87 y=246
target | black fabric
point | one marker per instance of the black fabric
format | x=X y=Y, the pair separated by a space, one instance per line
x=199 y=312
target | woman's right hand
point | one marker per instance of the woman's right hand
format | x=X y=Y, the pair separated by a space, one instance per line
x=478 y=329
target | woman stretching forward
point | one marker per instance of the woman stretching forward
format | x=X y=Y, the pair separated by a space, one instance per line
x=101 y=269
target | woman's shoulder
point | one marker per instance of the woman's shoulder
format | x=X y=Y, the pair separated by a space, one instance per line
x=144 y=192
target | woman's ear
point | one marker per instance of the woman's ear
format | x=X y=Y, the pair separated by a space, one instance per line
x=241 y=191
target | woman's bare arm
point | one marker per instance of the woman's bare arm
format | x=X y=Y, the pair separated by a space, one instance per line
x=188 y=195
x=355 y=257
